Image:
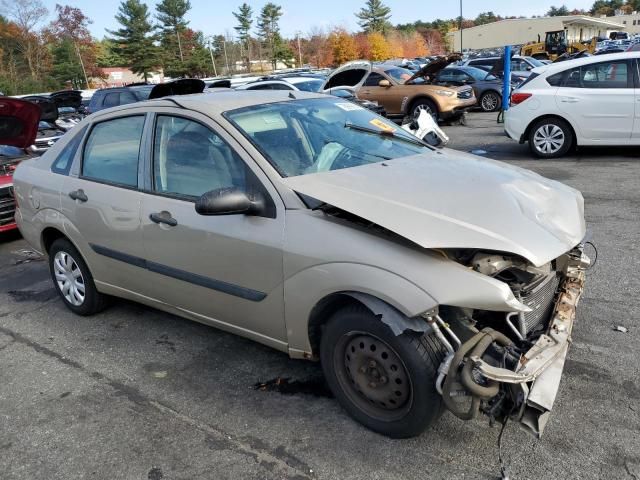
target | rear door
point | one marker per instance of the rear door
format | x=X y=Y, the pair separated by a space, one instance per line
x=599 y=98
x=227 y=269
x=101 y=201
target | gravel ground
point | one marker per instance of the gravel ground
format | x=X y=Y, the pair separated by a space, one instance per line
x=134 y=393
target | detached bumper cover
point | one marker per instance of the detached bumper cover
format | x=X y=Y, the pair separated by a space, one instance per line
x=540 y=369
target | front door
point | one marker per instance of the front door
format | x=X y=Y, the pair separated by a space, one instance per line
x=101 y=200
x=385 y=96
x=226 y=269
x=599 y=99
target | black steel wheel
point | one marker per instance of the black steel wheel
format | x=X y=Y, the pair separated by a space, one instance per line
x=384 y=381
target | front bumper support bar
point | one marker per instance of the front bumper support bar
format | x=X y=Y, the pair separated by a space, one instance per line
x=542 y=365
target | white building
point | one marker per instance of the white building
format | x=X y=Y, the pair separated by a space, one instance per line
x=631 y=21
x=518 y=31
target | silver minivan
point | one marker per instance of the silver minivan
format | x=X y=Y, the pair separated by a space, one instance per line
x=418 y=277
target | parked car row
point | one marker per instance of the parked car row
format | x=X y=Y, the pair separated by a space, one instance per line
x=591 y=101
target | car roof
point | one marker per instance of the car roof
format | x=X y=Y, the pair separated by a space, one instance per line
x=578 y=62
x=217 y=102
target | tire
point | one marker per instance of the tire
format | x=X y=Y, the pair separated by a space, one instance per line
x=424 y=104
x=490 y=101
x=67 y=267
x=392 y=390
x=550 y=138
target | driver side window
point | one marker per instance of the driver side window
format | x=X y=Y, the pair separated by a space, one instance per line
x=373 y=79
x=189 y=159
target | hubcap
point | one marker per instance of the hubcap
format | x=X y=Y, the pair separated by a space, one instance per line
x=548 y=139
x=69 y=278
x=376 y=375
x=489 y=102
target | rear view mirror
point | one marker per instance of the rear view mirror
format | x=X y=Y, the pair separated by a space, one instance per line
x=228 y=201
x=384 y=83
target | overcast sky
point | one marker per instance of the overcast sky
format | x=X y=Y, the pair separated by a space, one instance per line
x=214 y=16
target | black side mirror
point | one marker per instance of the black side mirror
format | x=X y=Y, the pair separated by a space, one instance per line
x=229 y=201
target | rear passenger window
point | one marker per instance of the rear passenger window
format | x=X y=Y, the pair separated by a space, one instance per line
x=62 y=164
x=127 y=97
x=112 y=149
x=599 y=75
x=111 y=100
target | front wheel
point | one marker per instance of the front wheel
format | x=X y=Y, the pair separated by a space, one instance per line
x=424 y=105
x=550 y=138
x=385 y=382
x=490 y=101
x=73 y=280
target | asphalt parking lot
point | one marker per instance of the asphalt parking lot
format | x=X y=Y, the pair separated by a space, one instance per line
x=135 y=393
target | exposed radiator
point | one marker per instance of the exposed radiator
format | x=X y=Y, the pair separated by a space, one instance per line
x=540 y=300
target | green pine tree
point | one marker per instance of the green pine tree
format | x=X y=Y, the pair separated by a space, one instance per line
x=245 y=20
x=269 y=29
x=135 y=38
x=374 y=16
x=170 y=14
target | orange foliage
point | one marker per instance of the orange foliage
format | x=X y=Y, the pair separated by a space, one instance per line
x=343 y=46
x=378 y=47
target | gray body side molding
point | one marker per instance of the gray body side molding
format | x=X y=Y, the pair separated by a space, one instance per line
x=397 y=322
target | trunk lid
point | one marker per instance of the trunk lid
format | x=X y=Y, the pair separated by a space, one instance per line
x=18 y=122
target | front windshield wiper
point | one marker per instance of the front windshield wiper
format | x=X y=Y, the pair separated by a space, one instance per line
x=386 y=133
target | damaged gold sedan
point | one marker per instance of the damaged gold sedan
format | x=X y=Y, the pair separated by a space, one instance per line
x=417 y=276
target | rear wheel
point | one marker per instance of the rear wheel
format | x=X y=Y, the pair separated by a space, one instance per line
x=550 y=138
x=490 y=101
x=72 y=279
x=385 y=382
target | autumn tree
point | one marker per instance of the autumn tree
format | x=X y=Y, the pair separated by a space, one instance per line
x=433 y=41
x=374 y=16
x=395 y=44
x=26 y=15
x=316 y=48
x=71 y=27
x=343 y=46
x=244 y=16
x=135 y=37
x=378 y=47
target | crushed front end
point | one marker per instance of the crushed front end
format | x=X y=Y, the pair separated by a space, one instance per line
x=509 y=364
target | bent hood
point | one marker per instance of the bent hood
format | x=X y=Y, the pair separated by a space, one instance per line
x=449 y=199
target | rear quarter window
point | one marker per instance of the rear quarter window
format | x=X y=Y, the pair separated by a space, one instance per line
x=554 y=80
x=62 y=164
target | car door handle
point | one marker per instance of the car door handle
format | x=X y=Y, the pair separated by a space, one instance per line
x=163 y=217
x=78 y=195
x=569 y=100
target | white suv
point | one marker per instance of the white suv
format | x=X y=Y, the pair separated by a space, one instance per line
x=589 y=101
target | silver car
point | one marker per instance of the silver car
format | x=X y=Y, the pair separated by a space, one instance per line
x=418 y=277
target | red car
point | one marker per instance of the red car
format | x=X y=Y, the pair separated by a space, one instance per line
x=18 y=130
